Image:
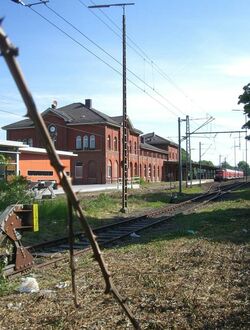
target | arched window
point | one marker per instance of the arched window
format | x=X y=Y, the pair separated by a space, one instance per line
x=154 y=173
x=78 y=142
x=149 y=171
x=145 y=171
x=116 y=171
x=131 y=169
x=109 y=169
x=136 y=170
x=85 y=142
x=109 y=142
x=115 y=144
x=92 y=142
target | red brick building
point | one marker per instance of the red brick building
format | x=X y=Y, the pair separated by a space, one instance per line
x=170 y=168
x=97 y=140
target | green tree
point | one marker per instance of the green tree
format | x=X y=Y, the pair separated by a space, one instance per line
x=243 y=166
x=226 y=165
x=207 y=162
x=14 y=191
x=245 y=99
x=3 y=164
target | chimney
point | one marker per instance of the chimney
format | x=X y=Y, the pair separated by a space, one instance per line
x=88 y=103
x=54 y=104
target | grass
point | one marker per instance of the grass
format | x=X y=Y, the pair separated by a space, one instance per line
x=101 y=209
x=189 y=274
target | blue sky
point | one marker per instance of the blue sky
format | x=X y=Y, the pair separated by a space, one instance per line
x=195 y=61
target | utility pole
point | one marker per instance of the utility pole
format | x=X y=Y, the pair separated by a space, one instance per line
x=124 y=208
x=188 y=153
x=180 y=156
x=234 y=159
x=200 y=162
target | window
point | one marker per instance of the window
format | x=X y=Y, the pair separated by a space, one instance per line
x=40 y=173
x=92 y=142
x=136 y=170
x=109 y=142
x=109 y=169
x=135 y=146
x=115 y=144
x=130 y=146
x=78 y=170
x=149 y=171
x=78 y=142
x=85 y=142
x=30 y=142
x=145 y=170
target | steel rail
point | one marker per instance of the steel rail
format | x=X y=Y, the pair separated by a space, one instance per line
x=108 y=238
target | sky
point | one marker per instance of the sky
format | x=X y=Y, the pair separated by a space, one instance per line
x=183 y=58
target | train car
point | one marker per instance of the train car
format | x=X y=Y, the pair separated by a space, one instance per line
x=228 y=174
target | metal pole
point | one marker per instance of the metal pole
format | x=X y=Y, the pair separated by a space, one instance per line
x=200 y=163
x=234 y=159
x=246 y=148
x=187 y=147
x=180 y=156
x=124 y=208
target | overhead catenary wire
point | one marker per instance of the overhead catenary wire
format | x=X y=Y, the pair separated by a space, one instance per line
x=102 y=60
x=113 y=58
x=140 y=52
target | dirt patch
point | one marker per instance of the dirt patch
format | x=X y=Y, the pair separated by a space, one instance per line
x=179 y=284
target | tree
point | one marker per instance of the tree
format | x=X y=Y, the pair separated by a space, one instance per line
x=226 y=165
x=14 y=191
x=207 y=162
x=243 y=166
x=245 y=99
x=3 y=166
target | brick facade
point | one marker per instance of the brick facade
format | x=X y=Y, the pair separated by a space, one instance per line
x=97 y=140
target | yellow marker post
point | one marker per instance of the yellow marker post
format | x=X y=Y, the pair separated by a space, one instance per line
x=35 y=217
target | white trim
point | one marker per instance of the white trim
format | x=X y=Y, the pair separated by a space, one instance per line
x=10 y=143
x=44 y=151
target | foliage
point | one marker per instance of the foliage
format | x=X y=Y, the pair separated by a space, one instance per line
x=14 y=191
x=245 y=99
x=2 y=159
x=226 y=165
x=243 y=166
x=207 y=162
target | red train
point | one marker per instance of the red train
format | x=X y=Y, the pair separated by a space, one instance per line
x=226 y=174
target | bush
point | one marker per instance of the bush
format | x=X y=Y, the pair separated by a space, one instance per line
x=13 y=192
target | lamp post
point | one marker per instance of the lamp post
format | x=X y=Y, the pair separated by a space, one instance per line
x=124 y=208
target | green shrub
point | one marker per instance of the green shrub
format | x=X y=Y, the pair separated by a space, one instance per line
x=14 y=191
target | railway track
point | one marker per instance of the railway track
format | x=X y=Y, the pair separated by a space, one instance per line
x=107 y=235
